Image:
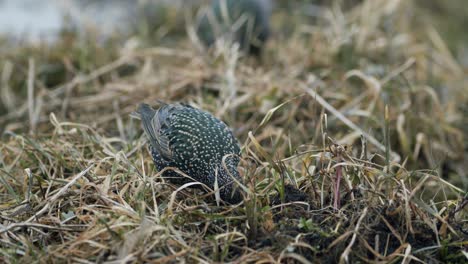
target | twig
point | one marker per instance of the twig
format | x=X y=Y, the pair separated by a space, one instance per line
x=344 y=256
x=15 y=225
x=59 y=193
x=349 y=123
x=6 y=94
x=32 y=115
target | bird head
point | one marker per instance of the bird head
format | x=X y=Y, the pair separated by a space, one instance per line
x=228 y=179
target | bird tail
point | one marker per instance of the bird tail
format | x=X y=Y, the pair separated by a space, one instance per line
x=146 y=114
x=145 y=111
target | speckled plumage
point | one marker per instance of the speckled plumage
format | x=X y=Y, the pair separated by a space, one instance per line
x=195 y=142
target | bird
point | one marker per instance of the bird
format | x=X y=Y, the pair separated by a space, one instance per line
x=195 y=142
x=246 y=22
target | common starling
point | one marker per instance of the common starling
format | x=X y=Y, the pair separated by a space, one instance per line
x=244 y=21
x=195 y=142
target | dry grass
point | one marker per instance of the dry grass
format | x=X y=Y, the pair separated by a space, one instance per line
x=356 y=92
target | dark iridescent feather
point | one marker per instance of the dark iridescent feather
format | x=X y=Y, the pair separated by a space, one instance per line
x=195 y=142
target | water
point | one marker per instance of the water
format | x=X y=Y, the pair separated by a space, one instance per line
x=39 y=20
x=30 y=20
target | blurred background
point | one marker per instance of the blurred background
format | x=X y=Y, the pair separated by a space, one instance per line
x=32 y=20
x=66 y=40
x=36 y=21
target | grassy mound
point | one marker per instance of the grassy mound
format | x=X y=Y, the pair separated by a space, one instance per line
x=368 y=92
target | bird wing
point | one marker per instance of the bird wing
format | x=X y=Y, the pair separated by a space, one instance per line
x=155 y=125
x=161 y=125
